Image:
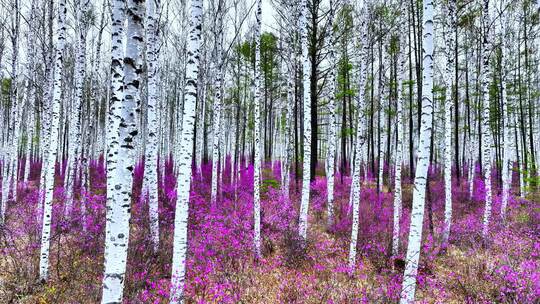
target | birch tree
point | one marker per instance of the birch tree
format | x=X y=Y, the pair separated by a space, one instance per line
x=472 y=161
x=505 y=36
x=449 y=13
x=290 y=9
x=11 y=161
x=218 y=95
x=48 y=93
x=330 y=161
x=74 y=115
x=486 y=128
x=122 y=125
x=257 y=115
x=287 y=147
x=306 y=168
x=31 y=88
x=151 y=151
x=52 y=151
x=185 y=155
x=399 y=152
x=420 y=180
x=360 y=140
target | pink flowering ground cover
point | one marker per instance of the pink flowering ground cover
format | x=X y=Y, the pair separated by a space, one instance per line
x=221 y=267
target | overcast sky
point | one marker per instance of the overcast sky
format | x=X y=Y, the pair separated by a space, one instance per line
x=268 y=16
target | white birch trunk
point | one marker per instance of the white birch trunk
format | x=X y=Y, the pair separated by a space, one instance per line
x=202 y=115
x=288 y=148
x=506 y=38
x=45 y=138
x=74 y=115
x=332 y=128
x=52 y=151
x=290 y=70
x=486 y=129
x=223 y=151
x=361 y=77
x=31 y=93
x=420 y=180
x=216 y=130
x=218 y=34
x=399 y=152
x=449 y=11
x=257 y=126
x=11 y=161
x=14 y=95
x=472 y=160
x=93 y=128
x=521 y=167
x=30 y=134
x=306 y=170
x=10 y=164
x=150 y=185
x=121 y=145
x=186 y=156
x=382 y=138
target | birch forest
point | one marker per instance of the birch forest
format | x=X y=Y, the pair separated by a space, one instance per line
x=269 y=151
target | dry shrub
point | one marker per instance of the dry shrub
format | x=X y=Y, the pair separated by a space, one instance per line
x=295 y=250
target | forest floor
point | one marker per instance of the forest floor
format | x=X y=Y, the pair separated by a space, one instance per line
x=502 y=268
x=470 y=270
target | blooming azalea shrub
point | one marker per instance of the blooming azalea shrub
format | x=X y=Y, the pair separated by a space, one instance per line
x=221 y=267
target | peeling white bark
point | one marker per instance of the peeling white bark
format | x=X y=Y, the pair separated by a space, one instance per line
x=399 y=152
x=186 y=155
x=361 y=76
x=306 y=171
x=122 y=133
x=52 y=151
x=332 y=137
x=420 y=180
x=150 y=183
x=257 y=114
x=450 y=26
x=486 y=128
x=505 y=36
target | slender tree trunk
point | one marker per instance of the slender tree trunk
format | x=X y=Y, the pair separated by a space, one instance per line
x=289 y=115
x=360 y=139
x=75 y=114
x=257 y=114
x=399 y=151
x=52 y=151
x=330 y=160
x=45 y=138
x=306 y=171
x=419 y=192
x=411 y=121
x=506 y=38
x=185 y=155
x=486 y=143
x=123 y=132
x=31 y=87
x=150 y=182
x=449 y=11
x=11 y=161
x=313 y=9
x=217 y=101
x=455 y=42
